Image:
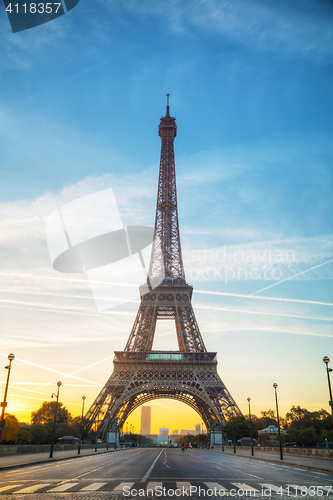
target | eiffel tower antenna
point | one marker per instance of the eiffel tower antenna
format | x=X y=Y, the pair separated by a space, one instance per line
x=141 y=374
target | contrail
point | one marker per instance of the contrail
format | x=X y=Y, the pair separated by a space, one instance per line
x=292 y=277
x=46 y=383
x=75 y=280
x=218 y=308
x=81 y=311
x=40 y=399
x=52 y=370
x=261 y=297
x=77 y=371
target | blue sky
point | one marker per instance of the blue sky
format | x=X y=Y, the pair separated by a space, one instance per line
x=251 y=88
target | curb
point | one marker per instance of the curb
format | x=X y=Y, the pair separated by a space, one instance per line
x=40 y=462
x=301 y=466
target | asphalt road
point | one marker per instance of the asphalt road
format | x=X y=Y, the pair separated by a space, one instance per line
x=181 y=473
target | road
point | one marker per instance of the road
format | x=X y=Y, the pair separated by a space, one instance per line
x=181 y=473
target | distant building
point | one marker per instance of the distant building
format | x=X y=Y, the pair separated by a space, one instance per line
x=197 y=429
x=185 y=432
x=163 y=436
x=145 y=419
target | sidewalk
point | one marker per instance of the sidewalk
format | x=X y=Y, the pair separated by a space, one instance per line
x=17 y=461
x=320 y=464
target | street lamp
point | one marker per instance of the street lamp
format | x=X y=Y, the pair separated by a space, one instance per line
x=326 y=360
x=278 y=421
x=249 y=400
x=81 y=429
x=55 y=417
x=4 y=403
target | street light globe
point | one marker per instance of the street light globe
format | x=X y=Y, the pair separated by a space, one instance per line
x=249 y=399
x=59 y=383
x=275 y=385
x=326 y=360
x=11 y=356
x=83 y=397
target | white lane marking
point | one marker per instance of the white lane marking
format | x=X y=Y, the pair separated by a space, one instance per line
x=4 y=488
x=62 y=487
x=243 y=486
x=152 y=485
x=93 y=487
x=32 y=489
x=273 y=488
x=121 y=486
x=218 y=487
x=145 y=477
x=183 y=484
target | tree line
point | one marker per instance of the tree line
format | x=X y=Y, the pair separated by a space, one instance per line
x=302 y=427
x=41 y=427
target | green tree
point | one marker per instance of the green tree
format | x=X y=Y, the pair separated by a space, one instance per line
x=240 y=426
x=75 y=427
x=45 y=413
x=11 y=430
x=40 y=433
x=307 y=428
x=327 y=435
x=267 y=418
x=24 y=436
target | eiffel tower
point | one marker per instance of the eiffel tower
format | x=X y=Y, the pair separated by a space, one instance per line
x=141 y=374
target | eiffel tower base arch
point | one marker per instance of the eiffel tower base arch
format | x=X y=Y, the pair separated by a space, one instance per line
x=139 y=377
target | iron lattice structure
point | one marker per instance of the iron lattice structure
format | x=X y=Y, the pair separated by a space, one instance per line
x=141 y=374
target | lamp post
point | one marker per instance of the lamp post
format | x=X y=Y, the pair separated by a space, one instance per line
x=55 y=417
x=81 y=429
x=278 y=421
x=326 y=360
x=4 y=403
x=251 y=435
